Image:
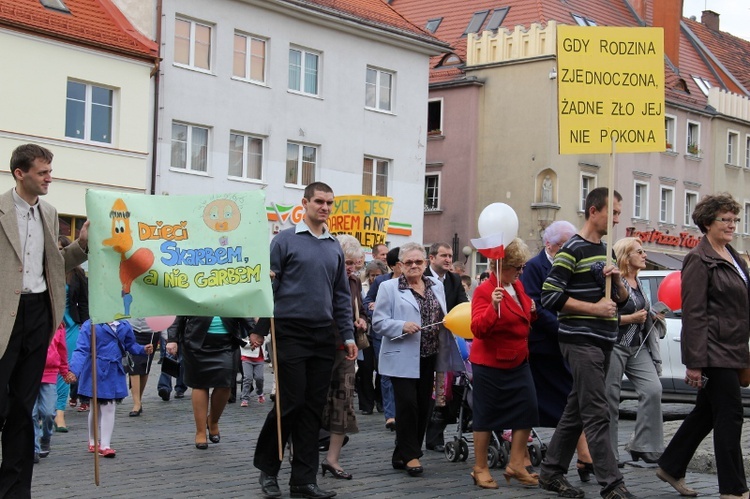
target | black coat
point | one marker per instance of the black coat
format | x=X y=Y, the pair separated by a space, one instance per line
x=454 y=290
x=190 y=331
x=78 y=297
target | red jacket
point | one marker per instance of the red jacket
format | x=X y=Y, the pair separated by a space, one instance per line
x=500 y=342
x=57 y=357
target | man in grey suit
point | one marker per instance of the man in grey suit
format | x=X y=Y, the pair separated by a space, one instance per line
x=32 y=304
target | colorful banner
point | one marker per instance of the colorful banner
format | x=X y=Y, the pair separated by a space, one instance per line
x=178 y=255
x=610 y=84
x=364 y=217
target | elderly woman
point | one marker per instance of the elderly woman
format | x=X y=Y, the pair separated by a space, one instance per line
x=338 y=414
x=408 y=312
x=504 y=393
x=715 y=327
x=208 y=358
x=636 y=354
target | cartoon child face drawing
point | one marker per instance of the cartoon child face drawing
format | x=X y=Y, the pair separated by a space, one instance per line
x=222 y=215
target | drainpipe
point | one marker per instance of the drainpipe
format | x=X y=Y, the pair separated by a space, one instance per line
x=157 y=81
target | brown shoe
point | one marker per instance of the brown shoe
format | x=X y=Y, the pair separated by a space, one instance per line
x=483 y=479
x=677 y=484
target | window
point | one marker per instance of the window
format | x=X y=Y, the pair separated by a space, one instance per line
x=249 y=58
x=189 y=147
x=747 y=151
x=745 y=218
x=70 y=225
x=666 y=205
x=378 y=89
x=476 y=22
x=640 y=200
x=375 y=177
x=693 y=138
x=733 y=148
x=303 y=71
x=88 y=112
x=588 y=184
x=192 y=44
x=245 y=156
x=432 y=193
x=433 y=24
x=691 y=199
x=435 y=116
x=301 y=161
x=703 y=84
x=58 y=5
x=497 y=18
x=669 y=132
x=583 y=21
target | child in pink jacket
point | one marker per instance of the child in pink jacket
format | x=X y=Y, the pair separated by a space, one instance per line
x=44 y=408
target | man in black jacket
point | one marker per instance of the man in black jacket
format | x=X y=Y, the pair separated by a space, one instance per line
x=441 y=260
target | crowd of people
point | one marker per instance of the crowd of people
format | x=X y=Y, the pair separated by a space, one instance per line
x=553 y=335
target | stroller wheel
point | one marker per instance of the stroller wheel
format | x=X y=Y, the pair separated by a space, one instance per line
x=451 y=452
x=535 y=454
x=502 y=458
x=493 y=456
x=463 y=450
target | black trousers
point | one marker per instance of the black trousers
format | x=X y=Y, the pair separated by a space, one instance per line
x=367 y=392
x=21 y=369
x=718 y=408
x=305 y=361
x=412 y=397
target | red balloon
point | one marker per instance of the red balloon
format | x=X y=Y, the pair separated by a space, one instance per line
x=160 y=323
x=670 y=291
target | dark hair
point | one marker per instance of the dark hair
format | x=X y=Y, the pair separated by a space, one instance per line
x=598 y=199
x=466 y=280
x=706 y=210
x=316 y=186
x=391 y=258
x=24 y=155
x=435 y=248
x=484 y=275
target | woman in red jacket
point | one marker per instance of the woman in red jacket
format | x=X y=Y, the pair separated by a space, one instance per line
x=504 y=394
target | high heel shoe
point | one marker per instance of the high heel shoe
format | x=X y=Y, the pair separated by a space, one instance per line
x=648 y=457
x=484 y=483
x=391 y=424
x=213 y=438
x=584 y=470
x=523 y=477
x=340 y=474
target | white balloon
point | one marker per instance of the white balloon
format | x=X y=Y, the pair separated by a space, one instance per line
x=498 y=218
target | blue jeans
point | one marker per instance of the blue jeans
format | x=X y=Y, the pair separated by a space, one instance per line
x=386 y=387
x=44 y=410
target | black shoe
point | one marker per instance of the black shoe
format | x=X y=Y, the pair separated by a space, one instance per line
x=36 y=458
x=340 y=474
x=179 y=395
x=164 y=394
x=135 y=414
x=311 y=491
x=45 y=449
x=436 y=448
x=618 y=492
x=561 y=485
x=414 y=470
x=379 y=407
x=269 y=485
x=398 y=465
x=215 y=438
x=366 y=413
x=585 y=470
x=648 y=457
x=201 y=445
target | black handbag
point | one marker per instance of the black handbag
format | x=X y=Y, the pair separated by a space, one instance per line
x=170 y=366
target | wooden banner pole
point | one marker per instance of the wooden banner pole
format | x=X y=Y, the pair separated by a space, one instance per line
x=610 y=208
x=278 y=389
x=93 y=405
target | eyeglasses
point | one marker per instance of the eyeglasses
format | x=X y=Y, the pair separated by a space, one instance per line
x=409 y=263
x=728 y=221
x=639 y=251
x=519 y=268
x=350 y=263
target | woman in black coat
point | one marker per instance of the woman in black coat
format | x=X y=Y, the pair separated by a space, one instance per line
x=209 y=361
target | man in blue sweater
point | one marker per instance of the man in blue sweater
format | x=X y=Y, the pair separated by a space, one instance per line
x=312 y=304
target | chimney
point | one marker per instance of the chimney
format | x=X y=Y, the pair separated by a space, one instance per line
x=667 y=15
x=710 y=19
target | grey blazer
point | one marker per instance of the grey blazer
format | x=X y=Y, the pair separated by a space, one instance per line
x=400 y=358
x=56 y=264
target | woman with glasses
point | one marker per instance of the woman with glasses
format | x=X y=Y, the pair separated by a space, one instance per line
x=715 y=329
x=636 y=354
x=504 y=393
x=408 y=312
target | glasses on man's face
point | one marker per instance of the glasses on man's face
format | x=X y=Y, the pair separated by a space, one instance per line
x=728 y=221
x=409 y=263
x=640 y=251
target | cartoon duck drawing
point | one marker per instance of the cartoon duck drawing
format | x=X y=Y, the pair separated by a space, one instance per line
x=122 y=242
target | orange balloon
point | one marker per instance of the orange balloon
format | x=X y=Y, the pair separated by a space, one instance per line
x=458 y=321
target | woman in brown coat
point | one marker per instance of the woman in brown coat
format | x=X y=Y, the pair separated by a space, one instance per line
x=715 y=329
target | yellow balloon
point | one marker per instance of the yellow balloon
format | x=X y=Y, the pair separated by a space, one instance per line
x=458 y=321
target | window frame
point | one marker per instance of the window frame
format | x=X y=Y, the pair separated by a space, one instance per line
x=746 y=216
x=192 y=43
x=436 y=131
x=733 y=150
x=643 y=207
x=246 y=137
x=88 y=113
x=303 y=69
x=747 y=150
x=249 y=58
x=188 y=168
x=697 y=144
x=300 y=180
x=670 y=135
x=688 y=220
x=437 y=197
x=378 y=79
x=434 y=21
x=666 y=213
x=374 y=174
x=476 y=22
x=582 y=201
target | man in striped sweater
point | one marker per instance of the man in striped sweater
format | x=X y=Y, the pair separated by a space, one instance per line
x=588 y=329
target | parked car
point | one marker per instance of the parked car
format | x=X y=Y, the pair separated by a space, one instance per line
x=674 y=388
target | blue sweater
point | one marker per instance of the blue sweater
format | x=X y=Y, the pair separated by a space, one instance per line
x=311 y=282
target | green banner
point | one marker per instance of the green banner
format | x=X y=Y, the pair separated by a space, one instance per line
x=178 y=255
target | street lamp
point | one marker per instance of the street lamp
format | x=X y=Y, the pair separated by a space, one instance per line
x=467 y=251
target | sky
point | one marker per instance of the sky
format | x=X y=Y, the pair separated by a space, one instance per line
x=734 y=15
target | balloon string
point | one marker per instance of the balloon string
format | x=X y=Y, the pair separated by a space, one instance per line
x=423 y=327
x=498 y=264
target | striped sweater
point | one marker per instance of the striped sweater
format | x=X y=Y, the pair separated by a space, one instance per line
x=577 y=273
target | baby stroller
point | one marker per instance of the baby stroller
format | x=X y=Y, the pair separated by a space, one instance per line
x=499 y=448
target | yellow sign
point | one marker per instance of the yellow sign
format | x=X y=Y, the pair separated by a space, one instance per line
x=610 y=84
x=364 y=217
